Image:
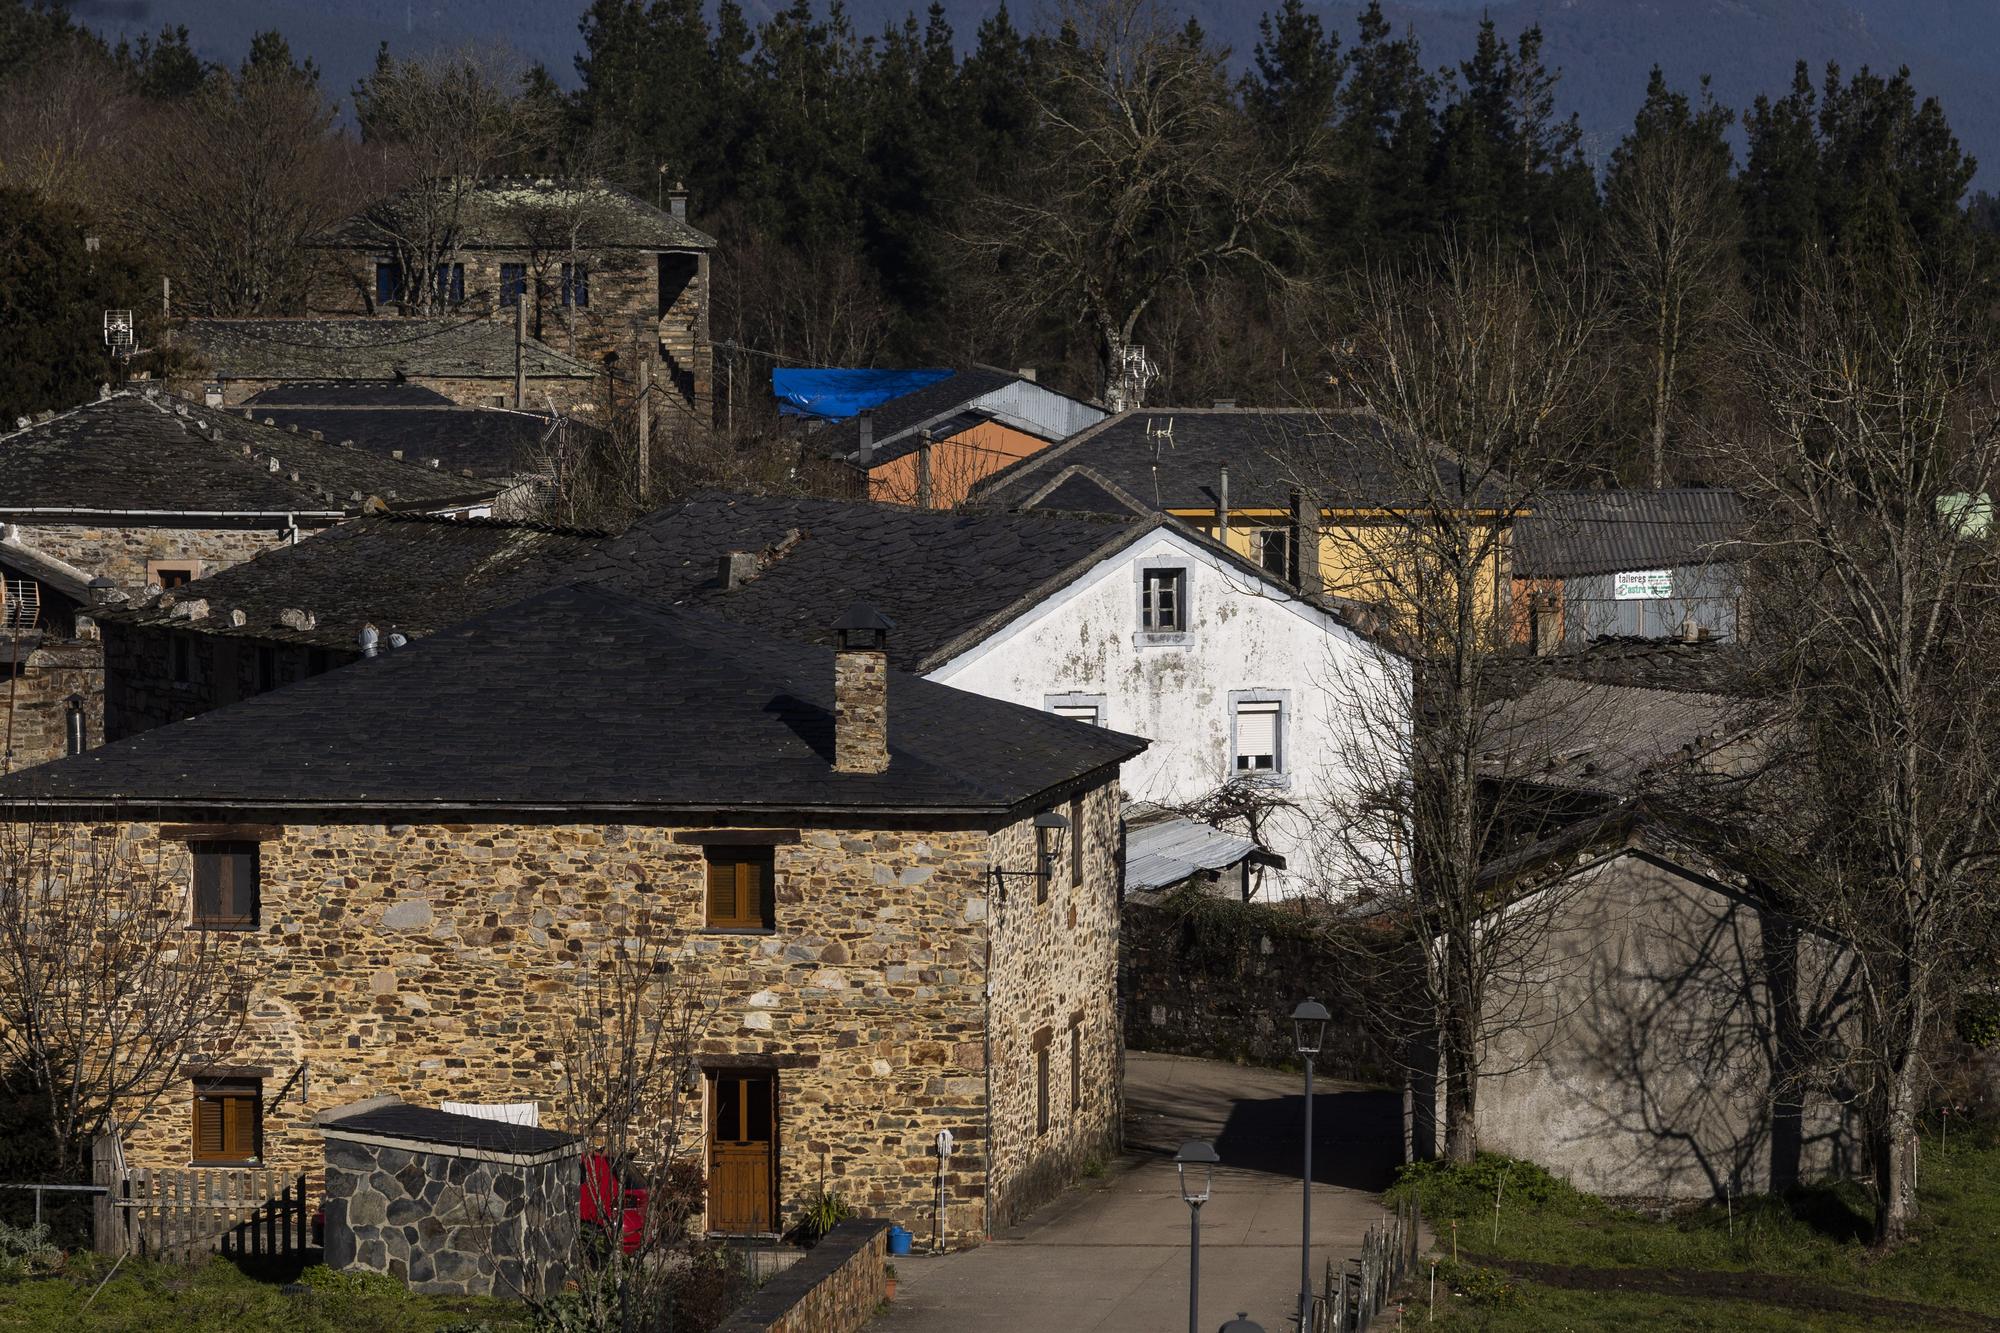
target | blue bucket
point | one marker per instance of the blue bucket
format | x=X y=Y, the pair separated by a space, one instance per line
x=899 y=1240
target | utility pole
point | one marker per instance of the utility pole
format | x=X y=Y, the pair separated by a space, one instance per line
x=643 y=364
x=521 y=348
x=924 y=489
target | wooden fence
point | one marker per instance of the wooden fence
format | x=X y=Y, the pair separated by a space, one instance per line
x=186 y=1215
x=1357 y=1292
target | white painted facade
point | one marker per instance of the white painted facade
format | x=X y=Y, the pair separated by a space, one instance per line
x=1246 y=641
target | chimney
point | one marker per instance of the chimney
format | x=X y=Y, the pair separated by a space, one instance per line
x=861 y=691
x=1545 y=609
x=1222 y=507
x=1027 y=373
x=1305 y=543
x=865 y=455
x=677 y=202
x=735 y=569
x=924 y=496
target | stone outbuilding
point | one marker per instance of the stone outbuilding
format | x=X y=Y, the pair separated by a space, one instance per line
x=896 y=902
x=453 y=1205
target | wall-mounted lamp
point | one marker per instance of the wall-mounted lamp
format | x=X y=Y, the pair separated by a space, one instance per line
x=1049 y=830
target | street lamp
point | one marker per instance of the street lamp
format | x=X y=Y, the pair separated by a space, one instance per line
x=1242 y=1323
x=1309 y=1031
x=1195 y=1185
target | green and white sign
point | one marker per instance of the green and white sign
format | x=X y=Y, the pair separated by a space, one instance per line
x=1643 y=584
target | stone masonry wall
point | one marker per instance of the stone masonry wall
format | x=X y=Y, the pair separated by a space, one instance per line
x=570 y=392
x=1054 y=968
x=451 y=1224
x=140 y=691
x=836 y=1288
x=34 y=708
x=437 y=962
x=120 y=553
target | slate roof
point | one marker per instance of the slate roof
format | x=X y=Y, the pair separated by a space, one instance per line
x=678 y=713
x=1352 y=453
x=945 y=578
x=1589 y=736
x=897 y=421
x=1603 y=532
x=1078 y=490
x=427 y=1124
x=467 y=347
x=410 y=574
x=491 y=214
x=419 y=422
x=135 y=452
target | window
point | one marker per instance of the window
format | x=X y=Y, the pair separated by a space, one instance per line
x=1045 y=866
x=228 y=1120
x=183 y=659
x=740 y=893
x=513 y=284
x=388 y=282
x=1258 y=724
x=1042 y=1081
x=1075 y=1064
x=1077 y=707
x=1273 y=548
x=171 y=574
x=449 y=284
x=1076 y=843
x=576 y=286
x=225 y=884
x=1163 y=601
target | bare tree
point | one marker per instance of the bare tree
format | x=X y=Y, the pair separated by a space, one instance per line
x=1876 y=595
x=64 y=123
x=1476 y=367
x=108 y=997
x=1671 y=226
x=1144 y=179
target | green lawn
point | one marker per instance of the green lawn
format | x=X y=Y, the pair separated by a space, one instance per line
x=1565 y=1260
x=158 y=1298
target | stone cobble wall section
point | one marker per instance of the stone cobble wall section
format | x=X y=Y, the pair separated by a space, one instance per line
x=439 y=962
x=140 y=689
x=120 y=553
x=36 y=702
x=836 y=1288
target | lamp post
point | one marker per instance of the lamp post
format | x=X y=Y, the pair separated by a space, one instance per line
x=1242 y=1323
x=1308 y=1031
x=1195 y=1186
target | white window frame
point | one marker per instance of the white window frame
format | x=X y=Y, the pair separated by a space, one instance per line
x=1182 y=637
x=1280 y=771
x=1053 y=702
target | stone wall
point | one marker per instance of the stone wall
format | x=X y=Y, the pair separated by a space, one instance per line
x=34 y=707
x=141 y=692
x=439 y=962
x=836 y=1288
x=569 y=392
x=449 y=1222
x=1204 y=976
x=121 y=553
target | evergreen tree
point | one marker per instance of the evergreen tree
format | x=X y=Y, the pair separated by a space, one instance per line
x=1298 y=67
x=1384 y=142
x=56 y=290
x=1507 y=164
x=164 y=68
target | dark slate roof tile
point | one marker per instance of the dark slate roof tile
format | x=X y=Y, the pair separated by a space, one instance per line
x=409 y=574
x=676 y=712
x=490 y=441
x=461 y=347
x=428 y=1124
x=1602 y=532
x=497 y=213
x=135 y=452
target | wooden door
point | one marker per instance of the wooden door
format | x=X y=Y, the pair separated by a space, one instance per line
x=742 y=1142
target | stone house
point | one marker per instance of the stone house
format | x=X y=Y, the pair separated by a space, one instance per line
x=470 y=362
x=137 y=492
x=587 y=264
x=930 y=445
x=897 y=901
x=300 y=610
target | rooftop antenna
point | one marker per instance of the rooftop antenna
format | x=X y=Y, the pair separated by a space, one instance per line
x=1162 y=438
x=118 y=333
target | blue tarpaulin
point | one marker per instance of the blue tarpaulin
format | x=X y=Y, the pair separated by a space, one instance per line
x=835 y=395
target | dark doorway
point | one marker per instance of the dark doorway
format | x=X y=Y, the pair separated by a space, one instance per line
x=677 y=270
x=742 y=1144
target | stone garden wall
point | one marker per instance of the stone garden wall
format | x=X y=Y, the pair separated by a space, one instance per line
x=834 y=1289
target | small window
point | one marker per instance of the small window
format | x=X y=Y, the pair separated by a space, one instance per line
x=388 y=282
x=171 y=574
x=1257 y=728
x=1045 y=865
x=1163 y=601
x=740 y=895
x=576 y=286
x=1042 y=1086
x=449 y=284
x=1075 y=1065
x=225 y=884
x=1079 y=713
x=1273 y=548
x=1076 y=843
x=513 y=284
x=183 y=659
x=228 y=1121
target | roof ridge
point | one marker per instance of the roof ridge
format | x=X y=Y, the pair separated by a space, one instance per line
x=490 y=521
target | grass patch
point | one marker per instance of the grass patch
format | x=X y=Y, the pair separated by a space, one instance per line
x=165 y=1298
x=1552 y=1257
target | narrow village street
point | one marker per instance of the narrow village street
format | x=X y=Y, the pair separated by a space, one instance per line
x=1111 y=1256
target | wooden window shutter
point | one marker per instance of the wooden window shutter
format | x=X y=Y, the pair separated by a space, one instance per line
x=210 y=1140
x=740 y=890
x=239 y=1125
x=721 y=892
x=225 y=883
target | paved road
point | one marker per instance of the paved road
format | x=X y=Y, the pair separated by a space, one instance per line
x=1111 y=1256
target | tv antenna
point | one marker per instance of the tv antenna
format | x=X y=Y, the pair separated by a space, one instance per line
x=119 y=333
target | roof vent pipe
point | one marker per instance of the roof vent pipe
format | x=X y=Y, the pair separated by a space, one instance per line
x=74 y=719
x=370 y=640
x=1222 y=507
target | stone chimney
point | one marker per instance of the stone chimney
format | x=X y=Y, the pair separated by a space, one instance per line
x=865 y=453
x=734 y=569
x=861 y=691
x=1305 y=543
x=677 y=202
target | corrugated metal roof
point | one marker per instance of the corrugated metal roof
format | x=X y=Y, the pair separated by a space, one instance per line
x=1603 y=532
x=1164 y=854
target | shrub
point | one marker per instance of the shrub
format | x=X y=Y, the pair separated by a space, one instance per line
x=1978 y=1019
x=823 y=1212
x=359 y=1282
x=1486 y=1287
x=27 y=1252
x=1448 y=1190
